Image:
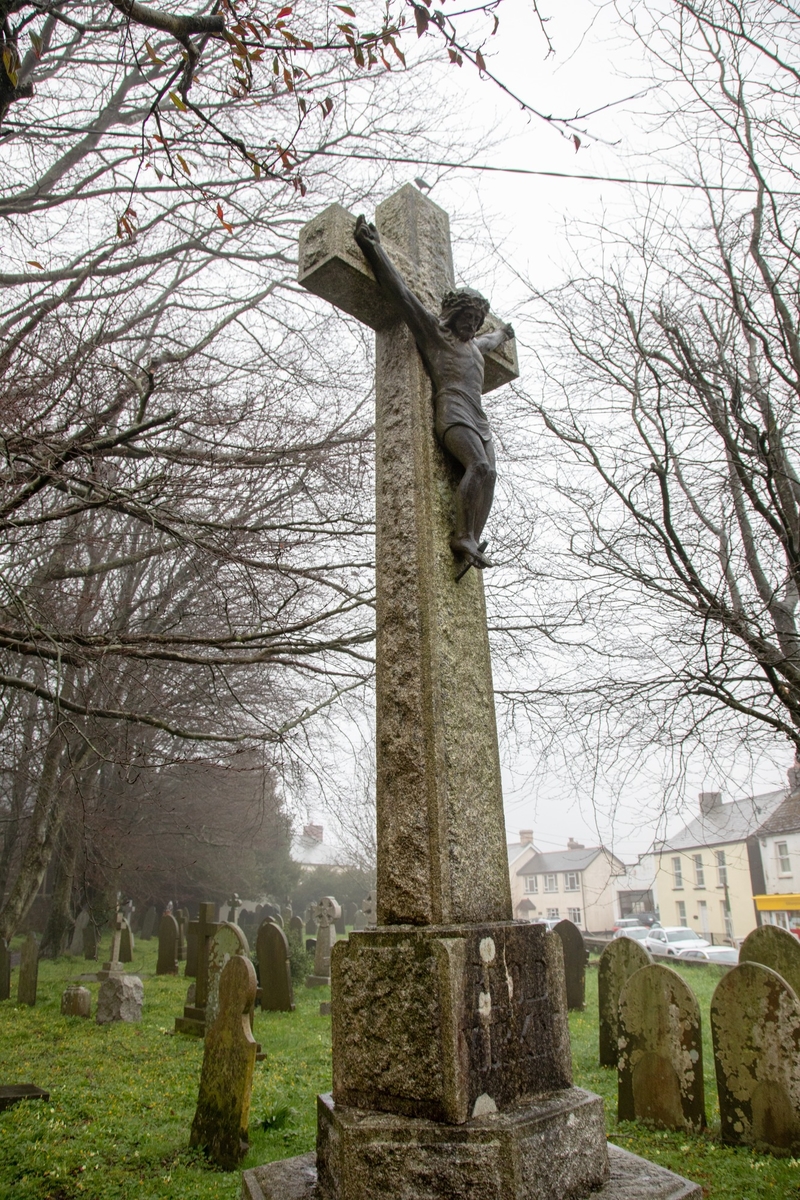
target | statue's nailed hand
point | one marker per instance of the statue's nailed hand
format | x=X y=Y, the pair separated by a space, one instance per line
x=509 y=332
x=366 y=234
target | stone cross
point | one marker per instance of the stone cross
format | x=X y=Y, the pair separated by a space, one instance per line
x=206 y=928
x=370 y=910
x=325 y=911
x=441 y=834
x=113 y=966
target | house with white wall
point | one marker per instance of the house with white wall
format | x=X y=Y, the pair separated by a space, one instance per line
x=777 y=891
x=576 y=883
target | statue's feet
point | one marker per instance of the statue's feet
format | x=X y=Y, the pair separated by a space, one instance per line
x=467 y=550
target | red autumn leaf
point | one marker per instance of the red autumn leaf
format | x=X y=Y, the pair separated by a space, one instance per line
x=285 y=12
x=479 y=59
x=577 y=142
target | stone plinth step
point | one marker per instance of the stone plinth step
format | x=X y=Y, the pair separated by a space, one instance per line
x=632 y=1178
x=318 y=981
x=191 y=1026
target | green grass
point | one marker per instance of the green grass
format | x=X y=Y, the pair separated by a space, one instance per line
x=726 y=1173
x=122 y=1098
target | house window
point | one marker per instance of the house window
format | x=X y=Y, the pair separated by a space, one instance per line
x=551 y=883
x=784 y=862
x=699 y=874
x=681 y=910
x=722 y=870
x=552 y=914
x=727 y=919
x=574 y=915
x=571 y=882
x=531 y=883
x=677 y=873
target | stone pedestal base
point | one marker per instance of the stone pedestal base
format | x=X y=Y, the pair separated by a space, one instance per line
x=631 y=1178
x=192 y=1022
x=318 y=981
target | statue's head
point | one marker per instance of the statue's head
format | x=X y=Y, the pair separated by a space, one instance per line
x=464 y=311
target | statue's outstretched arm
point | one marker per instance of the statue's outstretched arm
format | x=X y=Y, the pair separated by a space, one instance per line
x=490 y=341
x=421 y=322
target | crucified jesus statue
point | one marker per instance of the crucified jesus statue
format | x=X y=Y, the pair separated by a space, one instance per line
x=453 y=357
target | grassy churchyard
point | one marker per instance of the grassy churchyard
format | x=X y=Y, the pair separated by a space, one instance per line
x=122 y=1098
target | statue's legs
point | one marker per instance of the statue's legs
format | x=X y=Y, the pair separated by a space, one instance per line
x=475 y=492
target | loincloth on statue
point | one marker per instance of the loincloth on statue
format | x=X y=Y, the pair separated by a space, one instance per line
x=454 y=407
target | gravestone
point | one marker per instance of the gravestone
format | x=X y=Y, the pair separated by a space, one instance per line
x=274 y=969
x=91 y=941
x=618 y=962
x=325 y=914
x=28 y=971
x=287 y=912
x=149 y=923
x=309 y=922
x=450 y=1046
x=113 y=966
x=311 y=945
x=777 y=949
x=359 y=921
x=76 y=1001
x=81 y=921
x=574 y=963
x=167 y=946
x=339 y=925
x=297 y=929
x=370 y=910
x=234 y=904
x=755 y=1026
x=349 y=912
x=222 y=1116
x=226 y=942
x=660 y=1072
x=190 y=970
x=120 y=999
x=276 y=919
x=193 y=1020
x=5 y=970
x=126 y=942
x=182 y=917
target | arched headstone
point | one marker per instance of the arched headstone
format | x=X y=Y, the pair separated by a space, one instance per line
x=167 y=946
x=227 y=942
x=755 y=1026
x=620 y=959
x=223 y=1104
x=660 y=1072
x=126 y=943
x=274 y=968
x=149 y=924
x=574 y=964
x=81 y=921
x=76 y=1001
x=775 y=948
x=297 y=929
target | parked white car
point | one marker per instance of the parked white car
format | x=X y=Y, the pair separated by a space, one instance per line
x=669 y=941
x=716 y=954
x=637 y=932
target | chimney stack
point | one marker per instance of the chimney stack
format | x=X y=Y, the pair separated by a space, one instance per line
x=314 y=832
x=526 y=837
x=709 y=801
x=793 y=776
x=573 y=845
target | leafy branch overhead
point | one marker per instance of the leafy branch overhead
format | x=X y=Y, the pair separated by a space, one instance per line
x=244 y=49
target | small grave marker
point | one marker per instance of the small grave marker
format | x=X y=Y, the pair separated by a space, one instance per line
x=574 y=964
x=326 y=912
x=274 y=969
x=13 y=1093
x=149 y=924
x=620 y=959
x=167 y=946
x=76 y=1001
x=775 y=948
x=120 y=999
x=226 y=942
x=660 y=1073
x=221 y=1120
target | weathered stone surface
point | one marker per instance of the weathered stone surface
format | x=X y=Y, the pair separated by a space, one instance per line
x=359 y=921
x=120 y=999
x=274 y=968
x=223 y=1104
x=631 y=1178
x=201 y=932
x=190 y=970
x=91 y=941
x=5 y=970
x=297 y=929
x=775 y=948
x=182 y=917
x=11 y=1094
x=76 y=1001
x=81 y=921
x=549 y=1148
x=441 y=835
x=620 y=959
x=755 y=1025
x=149 y=924
x=325 y=913
x=167 y=946
x=126 y=942
x=226 y=942
x=427 y=1020
x=660 y=1069
x=574 y=964
x=28 y=971
x=113 y=966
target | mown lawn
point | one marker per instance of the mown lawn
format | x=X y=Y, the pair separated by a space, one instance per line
x=122 y=1099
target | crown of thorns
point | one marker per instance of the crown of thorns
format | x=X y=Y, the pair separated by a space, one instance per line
x=465 y=298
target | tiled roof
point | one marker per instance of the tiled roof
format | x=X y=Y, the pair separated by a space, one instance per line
x=562 y=860
x=731 y=822
x=516 y=848
x=785 y=819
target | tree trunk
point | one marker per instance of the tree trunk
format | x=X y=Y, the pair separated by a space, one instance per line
x=60 y=922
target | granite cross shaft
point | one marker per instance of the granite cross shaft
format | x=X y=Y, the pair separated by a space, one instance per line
x=441 y=835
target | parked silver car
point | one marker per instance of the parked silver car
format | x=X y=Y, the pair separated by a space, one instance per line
x=715 y=954
x=669 y=941
x=637 y=932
